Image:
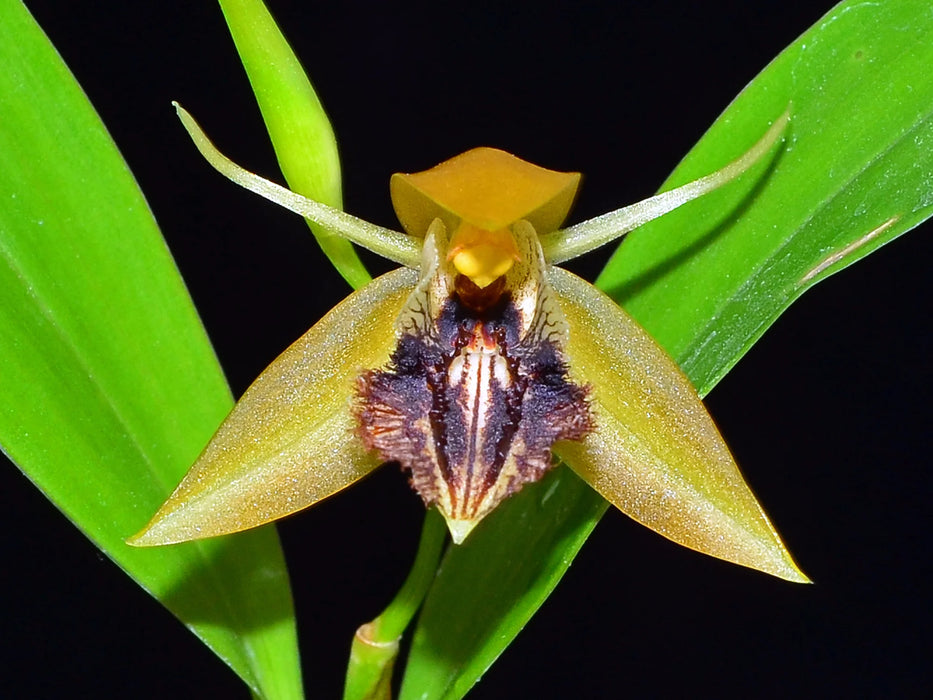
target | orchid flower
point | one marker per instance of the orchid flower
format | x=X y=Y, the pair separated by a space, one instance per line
x=471 y=365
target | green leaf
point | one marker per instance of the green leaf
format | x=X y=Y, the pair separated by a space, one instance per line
x=855 y=173
x=707 y=281
x=490 y=586
x=109 y=386
x=300 y=130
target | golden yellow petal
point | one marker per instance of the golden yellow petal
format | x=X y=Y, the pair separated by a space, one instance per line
x=486 y=187
x=655 y=453
x=290 y=441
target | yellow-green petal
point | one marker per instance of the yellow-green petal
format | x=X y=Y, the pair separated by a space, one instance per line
x=290 y=441
x=588 y=235
x=382 y=241
x=655 y=453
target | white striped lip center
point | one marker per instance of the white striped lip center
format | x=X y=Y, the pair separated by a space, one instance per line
x=474 y=371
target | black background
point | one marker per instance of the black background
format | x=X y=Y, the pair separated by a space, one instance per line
x=827 y=414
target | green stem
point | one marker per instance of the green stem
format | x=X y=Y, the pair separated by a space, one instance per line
x=375 y=644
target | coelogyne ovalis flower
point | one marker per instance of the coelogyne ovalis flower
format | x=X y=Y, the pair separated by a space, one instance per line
x=472 y=364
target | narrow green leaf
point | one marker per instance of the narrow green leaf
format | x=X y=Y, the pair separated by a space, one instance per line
x=300 y=130
x=490 y=586
x=856 y=172
x=109 y=386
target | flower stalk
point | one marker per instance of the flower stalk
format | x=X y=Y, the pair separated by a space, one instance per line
x=376 y=643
